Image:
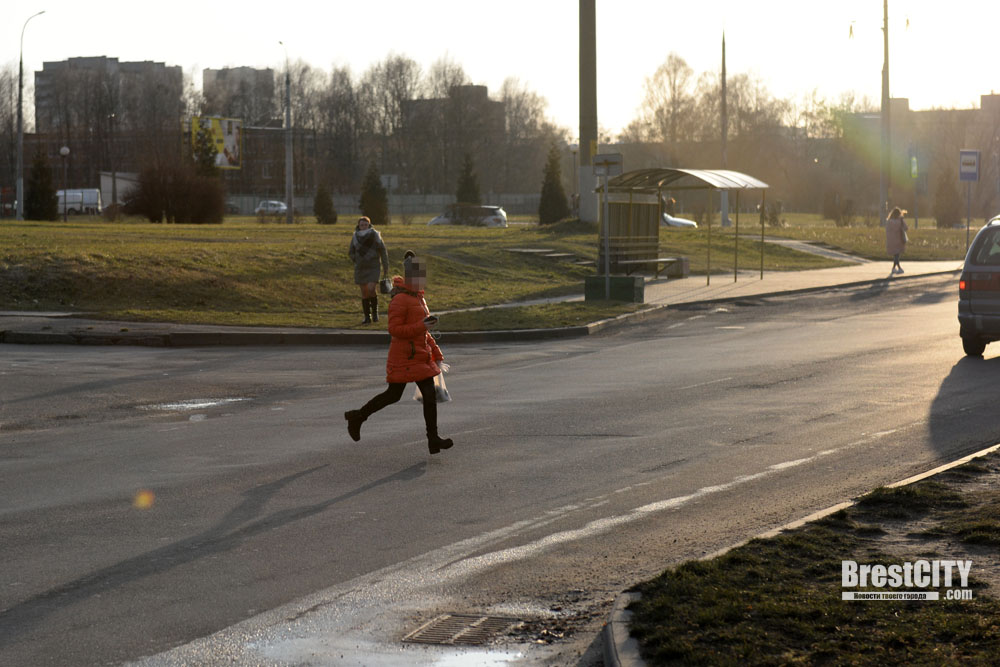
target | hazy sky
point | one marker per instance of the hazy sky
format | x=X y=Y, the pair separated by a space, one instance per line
x=937 y=59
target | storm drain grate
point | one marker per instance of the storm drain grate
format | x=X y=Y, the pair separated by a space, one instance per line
x=467 y=629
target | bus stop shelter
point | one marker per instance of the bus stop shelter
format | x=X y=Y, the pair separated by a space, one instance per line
x=635 y=205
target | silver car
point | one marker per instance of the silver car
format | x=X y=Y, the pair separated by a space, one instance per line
x=979 y=291
x=270 y=207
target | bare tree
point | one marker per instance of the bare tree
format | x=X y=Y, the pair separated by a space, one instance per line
x=307 y=95
x=152 y=106
x=429 y=137
x=194 y=100
x=669 y=102
x=443 y=75
x=340 y=129
x=8 y=126
x=526 y=135
x=386 y=86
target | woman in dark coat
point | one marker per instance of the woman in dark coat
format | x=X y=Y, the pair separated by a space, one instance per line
x=414 y=356
x=366 y=251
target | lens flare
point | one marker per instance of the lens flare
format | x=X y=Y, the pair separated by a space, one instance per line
x=143 y=500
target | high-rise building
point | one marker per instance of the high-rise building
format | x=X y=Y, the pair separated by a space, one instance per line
x=240 y=92
x=79 y=91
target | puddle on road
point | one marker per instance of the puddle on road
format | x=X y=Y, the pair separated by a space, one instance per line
x=193 y=404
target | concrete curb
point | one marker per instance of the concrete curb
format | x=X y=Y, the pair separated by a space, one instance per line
x=619 y=646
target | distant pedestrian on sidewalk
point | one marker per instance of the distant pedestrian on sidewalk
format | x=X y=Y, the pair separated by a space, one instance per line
x=895 y=237
x=413 y=354
x=366 y=251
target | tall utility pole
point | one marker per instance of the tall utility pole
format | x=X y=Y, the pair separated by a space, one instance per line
x=588 y=110
x=724 y=194
x=725 y=115
x=883 y=178
x=19 y=191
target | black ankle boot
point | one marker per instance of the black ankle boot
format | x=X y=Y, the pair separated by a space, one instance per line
x=354 y=421
x=435 y=444
x=374 y=306
x=368 y=315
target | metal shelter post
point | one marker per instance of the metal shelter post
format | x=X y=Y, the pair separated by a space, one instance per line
x=708 y=216
x=736 y=239
x=607 y=242
x=763 y=213
x=968 y=213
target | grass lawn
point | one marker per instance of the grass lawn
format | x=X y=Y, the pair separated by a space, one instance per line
x=778 y=601
x=270 y=274
x=927 y=242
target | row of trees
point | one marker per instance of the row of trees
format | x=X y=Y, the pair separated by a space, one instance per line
x=817 y=154
x=416 y=124
x=429 y=127
x=419 y=125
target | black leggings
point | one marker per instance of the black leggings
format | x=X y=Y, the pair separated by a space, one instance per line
x=394 y=392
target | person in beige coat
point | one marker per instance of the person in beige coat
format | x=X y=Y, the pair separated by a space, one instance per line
x=895 y=237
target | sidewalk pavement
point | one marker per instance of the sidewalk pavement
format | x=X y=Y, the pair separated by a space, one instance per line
x=66 y=328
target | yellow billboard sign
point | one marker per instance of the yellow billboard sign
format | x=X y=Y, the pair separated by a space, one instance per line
x=227 y=136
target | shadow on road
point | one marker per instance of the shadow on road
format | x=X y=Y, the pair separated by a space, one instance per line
x=243 y=522
x=963 y=416
x=877 y=289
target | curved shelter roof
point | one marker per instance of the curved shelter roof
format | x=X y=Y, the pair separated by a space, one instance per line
x=656 y=180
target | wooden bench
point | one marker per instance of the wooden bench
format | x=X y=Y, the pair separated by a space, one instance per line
x=661 y=264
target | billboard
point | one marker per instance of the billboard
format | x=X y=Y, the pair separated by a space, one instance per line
x=227 y=135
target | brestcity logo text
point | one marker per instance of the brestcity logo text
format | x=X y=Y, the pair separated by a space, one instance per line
x=919 y=580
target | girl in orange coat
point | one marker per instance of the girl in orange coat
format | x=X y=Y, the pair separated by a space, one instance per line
x=413 y=354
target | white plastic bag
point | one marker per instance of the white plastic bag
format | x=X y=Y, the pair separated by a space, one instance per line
x=440 y=390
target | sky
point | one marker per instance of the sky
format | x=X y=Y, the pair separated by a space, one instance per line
x=939 y=58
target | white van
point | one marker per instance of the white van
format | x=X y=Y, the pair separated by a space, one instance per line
x=87 y=200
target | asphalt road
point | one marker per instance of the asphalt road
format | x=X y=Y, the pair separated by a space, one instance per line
x=580 y=468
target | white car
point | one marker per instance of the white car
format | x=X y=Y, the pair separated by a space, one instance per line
x=269 y=207
x=668 y=220
x=471 y=214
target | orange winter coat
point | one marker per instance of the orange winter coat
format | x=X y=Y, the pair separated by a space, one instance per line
x=412 y=353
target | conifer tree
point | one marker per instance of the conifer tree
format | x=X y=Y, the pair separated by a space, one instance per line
x=374 y=201
x=205 y=153
x=468 y=184
x=40 y=201
x=553 y=206
x=326 y=214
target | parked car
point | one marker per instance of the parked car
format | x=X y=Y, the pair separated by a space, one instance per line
x=979 y=291
x=270 y=207
x=668 y=220
x=472 y=214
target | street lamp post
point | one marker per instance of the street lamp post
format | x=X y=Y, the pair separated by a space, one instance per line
x=289 y=189
x=64 y=152
x=20 y=122
x=114 y=176
x=886 y=152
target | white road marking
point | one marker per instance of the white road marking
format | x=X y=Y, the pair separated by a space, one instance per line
x=704 y=384
x=359 y=622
